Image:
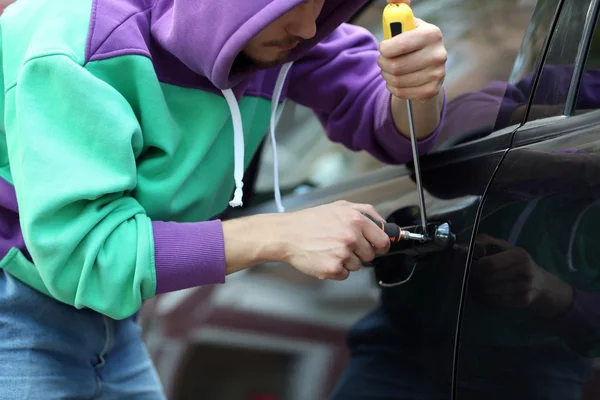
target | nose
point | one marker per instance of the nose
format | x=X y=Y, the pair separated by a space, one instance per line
x=303 y=21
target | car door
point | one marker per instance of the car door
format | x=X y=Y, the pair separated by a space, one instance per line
x=530 y=315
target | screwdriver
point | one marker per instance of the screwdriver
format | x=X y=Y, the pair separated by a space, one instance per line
x=395 y=233
x=399 y=18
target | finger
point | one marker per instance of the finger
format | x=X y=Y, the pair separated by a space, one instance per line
x=352 y=263
x=340 y=276
x=422 y=92
x=510 y=273
x=413 y=62
x=510 y=288
x=373 y=234
x=515 y=258
x=367 y=209
x=513 y=301
x=363 y=248
x=486 y=240
x=414 y=79
x=376 y=238
x=411 y=41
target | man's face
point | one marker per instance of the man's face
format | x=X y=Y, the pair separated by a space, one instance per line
x=273 y=44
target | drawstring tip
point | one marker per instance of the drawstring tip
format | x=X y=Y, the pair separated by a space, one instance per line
x=237 y=197
x=235 y=203
x=280 y=208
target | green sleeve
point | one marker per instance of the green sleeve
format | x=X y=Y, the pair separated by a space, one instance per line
x=72 y=144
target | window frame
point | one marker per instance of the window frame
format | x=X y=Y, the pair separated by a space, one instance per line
x=545 y=128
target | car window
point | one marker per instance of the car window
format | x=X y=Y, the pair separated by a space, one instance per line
x=587 y=98
x=484 y=52
x=552 y=85
x=552 y=88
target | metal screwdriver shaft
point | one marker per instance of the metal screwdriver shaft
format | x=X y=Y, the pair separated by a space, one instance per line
x=415 y=154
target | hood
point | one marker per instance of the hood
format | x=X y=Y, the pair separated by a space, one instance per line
x=208 y=35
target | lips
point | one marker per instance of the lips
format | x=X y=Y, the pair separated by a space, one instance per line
x=289 y=47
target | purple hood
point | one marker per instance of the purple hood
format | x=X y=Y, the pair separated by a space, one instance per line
x=207 y=36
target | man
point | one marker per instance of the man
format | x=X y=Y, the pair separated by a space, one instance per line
x=124 y=123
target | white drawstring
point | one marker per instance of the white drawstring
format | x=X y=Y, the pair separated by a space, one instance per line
x=238 y=140
x=274 y=117
x=238 y=147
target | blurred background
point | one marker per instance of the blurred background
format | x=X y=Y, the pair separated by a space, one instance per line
x=271 y=333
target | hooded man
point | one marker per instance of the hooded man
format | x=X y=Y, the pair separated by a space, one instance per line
x=127 y=125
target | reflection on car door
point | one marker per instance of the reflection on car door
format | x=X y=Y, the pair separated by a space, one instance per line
x=532 y=307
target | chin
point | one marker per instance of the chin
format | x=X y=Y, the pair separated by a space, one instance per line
x=265 y=64
x=245 y=59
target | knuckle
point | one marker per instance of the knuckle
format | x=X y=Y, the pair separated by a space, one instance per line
x=397 y=92
x=431 y=91
x=342 y=276
x=356 y=219
x=334 y=270
x=443 y=56
x=435 y=33
x=370 y=256
x=382 y=244
x=439 y=74
x=529 y=275
x=522 y=256
x=391 y=89
x=440 y=58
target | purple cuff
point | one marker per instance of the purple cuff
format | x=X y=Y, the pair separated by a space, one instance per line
x=392 y=140
x=581 y=322
x=188 y=254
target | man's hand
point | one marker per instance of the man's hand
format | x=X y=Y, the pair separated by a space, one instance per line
x=327 y=242
x=511 y=278
x=413 y=65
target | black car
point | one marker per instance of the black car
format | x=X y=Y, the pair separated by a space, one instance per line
x=507 y=305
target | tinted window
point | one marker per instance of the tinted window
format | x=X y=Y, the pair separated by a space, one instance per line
x=555 y=80
x=588 y=98
x=500 y=103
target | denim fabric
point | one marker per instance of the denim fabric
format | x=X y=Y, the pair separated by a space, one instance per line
x=49 y=350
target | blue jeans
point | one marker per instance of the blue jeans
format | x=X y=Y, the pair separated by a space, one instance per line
x=49 y=350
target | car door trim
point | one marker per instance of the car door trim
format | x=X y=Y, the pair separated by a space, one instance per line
x=582 y=55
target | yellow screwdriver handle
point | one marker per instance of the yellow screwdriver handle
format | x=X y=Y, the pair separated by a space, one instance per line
x=397 y=18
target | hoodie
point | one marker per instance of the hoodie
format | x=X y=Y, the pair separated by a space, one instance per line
x=127 y=125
